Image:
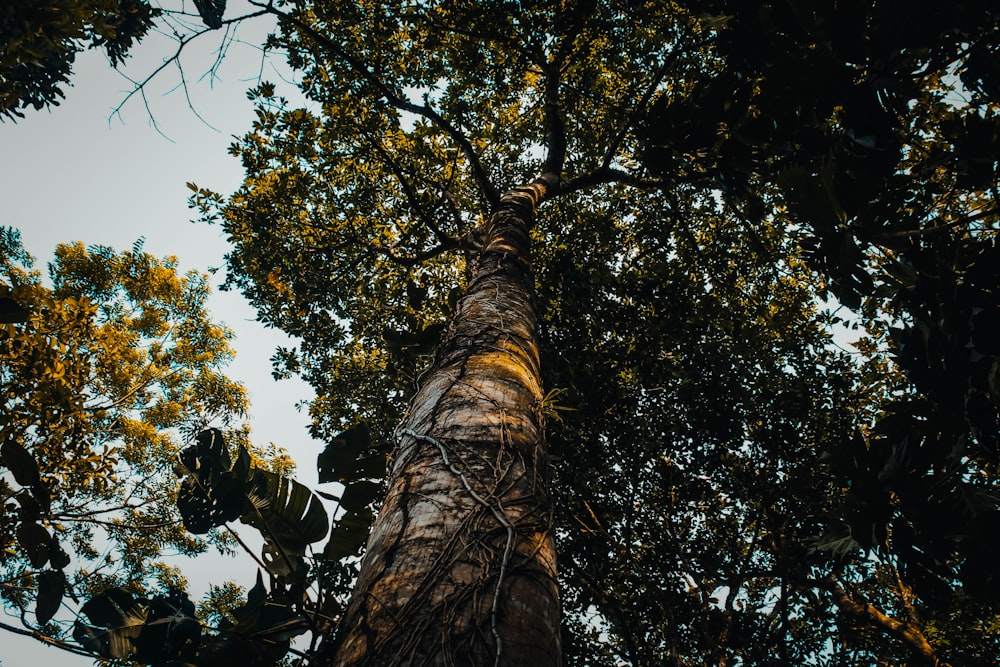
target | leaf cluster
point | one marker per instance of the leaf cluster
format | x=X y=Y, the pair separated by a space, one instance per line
x=876 y=129
x=39 y=41
x=101 y=375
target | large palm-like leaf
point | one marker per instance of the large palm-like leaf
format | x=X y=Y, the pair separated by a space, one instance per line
x=287 y=514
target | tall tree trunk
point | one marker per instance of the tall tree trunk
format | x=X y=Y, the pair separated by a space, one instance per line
x=460 y=565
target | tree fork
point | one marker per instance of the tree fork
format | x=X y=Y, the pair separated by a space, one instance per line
x=460 y=565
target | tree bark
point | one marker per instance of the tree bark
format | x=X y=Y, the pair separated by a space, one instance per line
x=460 y=565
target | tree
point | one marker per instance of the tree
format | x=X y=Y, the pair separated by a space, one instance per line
x=103 y=376
x=462 y=542
x=691 y=191
x=428 y=114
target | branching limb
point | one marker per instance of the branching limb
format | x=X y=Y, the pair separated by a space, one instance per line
x=640 y=105
x=554 y=119
x=410 y=193
x=139 y=87
x=606 y=175
x=907 y=632
x=937 y=229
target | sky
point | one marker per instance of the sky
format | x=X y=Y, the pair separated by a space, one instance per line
x=75 y=173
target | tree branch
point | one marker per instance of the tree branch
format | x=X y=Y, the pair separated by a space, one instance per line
x=605 y=175
x=409 y=192
x=647 y=95
x=182 y=41
x=908 y=633
x=554 y=120
x=45 y=639
x=937 y=229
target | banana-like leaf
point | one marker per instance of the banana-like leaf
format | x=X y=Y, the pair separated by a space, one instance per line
x=116 y=618
x=285 y=512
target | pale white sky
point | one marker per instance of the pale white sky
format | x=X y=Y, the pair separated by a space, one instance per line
x=69 y=174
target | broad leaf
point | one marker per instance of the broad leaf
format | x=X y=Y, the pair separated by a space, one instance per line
x=51 y=584
x=348 y=535
x=284 y=511
x=343 y=459
x=35 y=541
x=116 y=619
x=359 y=495
x=20 y=462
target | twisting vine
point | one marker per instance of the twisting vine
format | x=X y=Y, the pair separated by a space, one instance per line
x=498 y=513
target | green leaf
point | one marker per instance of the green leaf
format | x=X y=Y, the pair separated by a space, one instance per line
x=12 y=312
x=358 y=495
x=349 y=535
x=208 y=458
x=342 y=458
x=211 y=494
x=57 y=555
x=118 y=619
x=284 y=511
x=20 y=462
x=51 y=585
x=34 y=541
x=204 y=506
x=415 y=295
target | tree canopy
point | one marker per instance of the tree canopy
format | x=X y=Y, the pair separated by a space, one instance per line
x=104 y=375
x=721 y=185
x=40 y=41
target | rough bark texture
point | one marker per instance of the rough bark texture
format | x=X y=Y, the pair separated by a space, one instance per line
x=460 y=566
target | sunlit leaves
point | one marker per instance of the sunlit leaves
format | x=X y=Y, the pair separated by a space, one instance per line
x=95 y=383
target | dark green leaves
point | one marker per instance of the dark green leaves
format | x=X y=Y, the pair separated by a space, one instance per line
x=260 y=632
x=158 y=630
x=34 y=541
x=349 y=460
x=116 y=619
x=11 y=311
x=53 y=33
x=163 y=629
x=51 y=585
x=359 y=495
x=20 y=462
x=345 y=458
x=413 y=343
x=216 y=491
x=348 y=535
x=212 y=493
x=289 y=517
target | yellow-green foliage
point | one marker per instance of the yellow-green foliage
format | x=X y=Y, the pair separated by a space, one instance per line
x=116 y=365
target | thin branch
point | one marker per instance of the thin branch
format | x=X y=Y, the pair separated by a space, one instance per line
x=45 y=639
x=73 y=515
x=554 y=120
x=647 y=95
x=606 y=175
x=408 y=190
x=245 y=547
x=182 y=41
x=938 y=229
x=418 y=258
x=187 y=97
